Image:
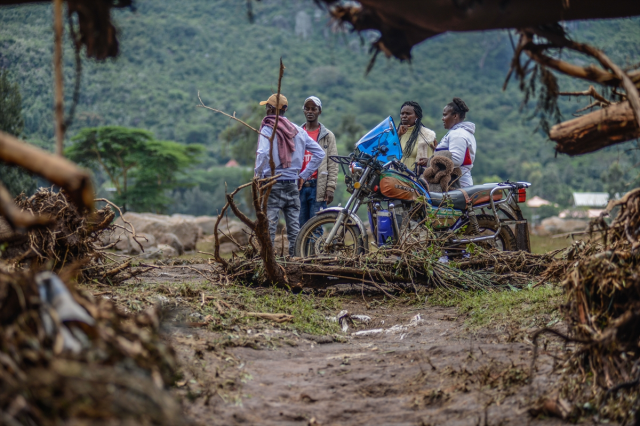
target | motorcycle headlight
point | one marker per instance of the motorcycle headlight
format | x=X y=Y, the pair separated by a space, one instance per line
x=355 y=168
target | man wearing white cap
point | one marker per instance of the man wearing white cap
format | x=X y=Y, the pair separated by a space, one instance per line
x=317 y=190
x=289 y=146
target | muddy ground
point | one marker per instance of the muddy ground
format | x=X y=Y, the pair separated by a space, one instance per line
x=423 y=365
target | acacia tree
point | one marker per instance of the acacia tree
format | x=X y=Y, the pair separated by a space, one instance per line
x=140 y=168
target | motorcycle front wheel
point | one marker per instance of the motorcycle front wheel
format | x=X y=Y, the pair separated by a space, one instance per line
x=348 y=242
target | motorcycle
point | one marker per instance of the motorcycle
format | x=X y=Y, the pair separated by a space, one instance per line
x=398 y=201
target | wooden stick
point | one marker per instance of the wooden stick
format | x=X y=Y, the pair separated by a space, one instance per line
x=233 y=117
x=272 y=164
x=590 y=92
x=125 y=221
x=58 y=106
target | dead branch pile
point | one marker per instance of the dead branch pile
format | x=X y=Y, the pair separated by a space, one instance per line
x=604 y=299
x=68 y=359
x=383 y=270
x=603 y=312
x=72 y=238
x=521 y=267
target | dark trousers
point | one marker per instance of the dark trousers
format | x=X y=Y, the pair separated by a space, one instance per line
x=309 y=207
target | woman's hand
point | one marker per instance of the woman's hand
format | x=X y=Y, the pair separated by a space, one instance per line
x=422 y=162
x=402 y=129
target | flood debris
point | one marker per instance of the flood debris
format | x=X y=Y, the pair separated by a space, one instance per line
x=73 y=237
x=603 y=316
x=402 y=330
x=345 y=319
x=68 y=358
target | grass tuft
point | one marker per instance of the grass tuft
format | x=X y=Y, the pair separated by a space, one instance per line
x=525 y=308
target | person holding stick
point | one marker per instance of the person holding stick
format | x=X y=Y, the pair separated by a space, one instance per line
x=289 y=145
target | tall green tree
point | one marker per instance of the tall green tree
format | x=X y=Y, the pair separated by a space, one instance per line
x=14 y=178
x=141 y=169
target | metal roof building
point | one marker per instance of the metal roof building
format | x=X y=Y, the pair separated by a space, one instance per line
x=590 y=199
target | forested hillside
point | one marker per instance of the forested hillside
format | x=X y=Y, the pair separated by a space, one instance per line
x=171 y=50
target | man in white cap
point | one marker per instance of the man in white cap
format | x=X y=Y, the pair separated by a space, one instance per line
x=317 y=190
x=289 y=146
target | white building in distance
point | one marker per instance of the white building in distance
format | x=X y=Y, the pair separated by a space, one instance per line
x=590 y=199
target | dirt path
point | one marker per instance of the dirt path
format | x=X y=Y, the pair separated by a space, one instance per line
x=427 y=371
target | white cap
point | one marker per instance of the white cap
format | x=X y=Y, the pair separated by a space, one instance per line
x=315 y=101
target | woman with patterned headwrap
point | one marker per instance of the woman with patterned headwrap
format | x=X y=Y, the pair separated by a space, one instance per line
x=418 y=142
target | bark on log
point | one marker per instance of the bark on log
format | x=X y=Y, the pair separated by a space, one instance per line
x=448 y=15
x=591 y=132
x=55 y=169
x=405 y=23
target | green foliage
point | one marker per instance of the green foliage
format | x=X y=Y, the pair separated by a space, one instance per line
x=15 y=179
x=350 y=131
x=309 y=312
x=140 y=168
x=529 y=307
x=618 y=180
x=172 y=50
x=11 y=120
x=547 y=211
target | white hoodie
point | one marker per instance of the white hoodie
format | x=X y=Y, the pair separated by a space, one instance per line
x=462 y=145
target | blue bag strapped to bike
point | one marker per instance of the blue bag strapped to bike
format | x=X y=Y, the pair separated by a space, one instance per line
x=384 y=134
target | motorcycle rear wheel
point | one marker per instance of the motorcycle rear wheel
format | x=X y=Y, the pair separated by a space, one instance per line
x=505 y=241
x=348 y=243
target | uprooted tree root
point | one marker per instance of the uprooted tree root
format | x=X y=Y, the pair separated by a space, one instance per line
x=72 y=238
x=603 y=314
x=119 y=377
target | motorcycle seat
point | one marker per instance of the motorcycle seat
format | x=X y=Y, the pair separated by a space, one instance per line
x=478 y=194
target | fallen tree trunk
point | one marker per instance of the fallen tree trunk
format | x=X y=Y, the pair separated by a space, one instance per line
x=596 y=130
x=405 y=23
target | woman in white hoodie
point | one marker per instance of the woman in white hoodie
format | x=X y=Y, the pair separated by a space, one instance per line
x=460 y=140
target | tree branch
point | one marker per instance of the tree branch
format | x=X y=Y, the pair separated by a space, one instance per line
x=272 y=164
x=58 y=105
x=590 y=92
x=233 y=117
x=625 y=81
